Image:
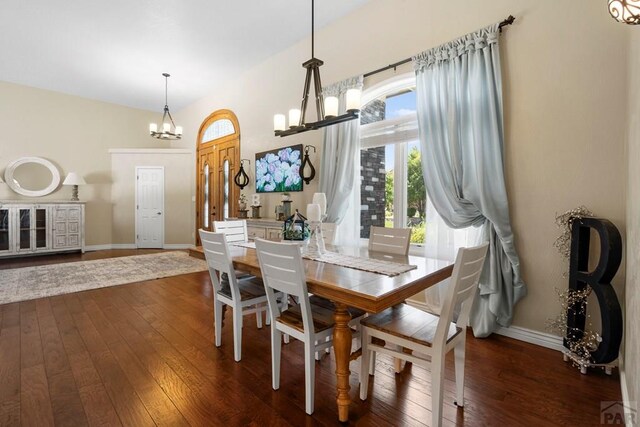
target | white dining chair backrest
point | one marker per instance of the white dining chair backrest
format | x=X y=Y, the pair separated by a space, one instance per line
x=390 y=240
x=283 y=270
x=329 y=232
x=462 y=290
x=235 y=231
x=216 y=252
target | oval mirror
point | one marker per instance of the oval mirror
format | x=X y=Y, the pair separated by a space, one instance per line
x=32 y=176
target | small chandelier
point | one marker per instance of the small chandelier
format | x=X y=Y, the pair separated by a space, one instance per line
x=169 y=129
x=327 y=108
x=627 y=11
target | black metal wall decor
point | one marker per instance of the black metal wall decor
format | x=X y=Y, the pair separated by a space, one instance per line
x=306 y=162
x=626 y=11
x=242 y=179
x=600 y=281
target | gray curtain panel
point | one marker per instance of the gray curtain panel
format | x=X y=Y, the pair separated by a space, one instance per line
x=459 y=105
x=341 y=146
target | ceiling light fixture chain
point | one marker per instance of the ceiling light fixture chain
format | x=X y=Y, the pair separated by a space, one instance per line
x=168 y=129
x=327 y=109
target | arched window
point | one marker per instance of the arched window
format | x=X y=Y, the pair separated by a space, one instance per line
x=218 y=129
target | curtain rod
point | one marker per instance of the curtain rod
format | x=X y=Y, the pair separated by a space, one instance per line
x=504 y=23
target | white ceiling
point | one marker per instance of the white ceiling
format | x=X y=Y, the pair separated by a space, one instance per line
x=117 y=50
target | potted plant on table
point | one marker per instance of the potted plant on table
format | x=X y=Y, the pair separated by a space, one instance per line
x=242 y=202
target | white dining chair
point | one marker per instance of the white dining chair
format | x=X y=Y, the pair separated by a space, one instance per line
x=244 y=296
x=329 y=232
x=394 y=241
x=310 y=321
x=428 y=334
x=390 y=240
x=235 y=231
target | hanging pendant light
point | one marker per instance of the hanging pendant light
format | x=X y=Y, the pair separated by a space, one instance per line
x=627 y=11
x=326 y=108
x=168 y=129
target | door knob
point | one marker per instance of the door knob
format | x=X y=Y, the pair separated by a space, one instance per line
x=159 y=213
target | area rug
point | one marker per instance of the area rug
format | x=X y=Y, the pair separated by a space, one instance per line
x=21 y=284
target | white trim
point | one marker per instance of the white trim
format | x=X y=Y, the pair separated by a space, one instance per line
x=124 y=246
x=388 y=86
x=150 y=151
x=179 y=246
x=170 y=246
x=541 y=339
x=93 y=248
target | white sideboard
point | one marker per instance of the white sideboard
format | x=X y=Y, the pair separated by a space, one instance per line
x=263 y=228
x=28 y=228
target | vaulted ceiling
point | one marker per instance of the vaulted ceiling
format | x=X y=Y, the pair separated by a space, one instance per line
x=116 y=50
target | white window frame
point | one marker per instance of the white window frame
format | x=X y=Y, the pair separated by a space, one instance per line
x=397 y=131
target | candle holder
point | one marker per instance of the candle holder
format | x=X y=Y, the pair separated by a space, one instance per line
x=315 y=247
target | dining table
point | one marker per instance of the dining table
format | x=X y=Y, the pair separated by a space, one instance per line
x=349 y=287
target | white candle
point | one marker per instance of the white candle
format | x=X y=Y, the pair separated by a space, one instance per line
x=330 y=106
x=166 y=127
x=353 y=99
x=279 y=122
x=294 y=117
x=313 y=212
x=321 y=200
x=153 y=128
x=178 y=130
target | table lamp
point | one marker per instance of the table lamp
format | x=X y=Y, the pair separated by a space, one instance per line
x=75 y=180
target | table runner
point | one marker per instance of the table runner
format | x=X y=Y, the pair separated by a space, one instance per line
x=388 y=268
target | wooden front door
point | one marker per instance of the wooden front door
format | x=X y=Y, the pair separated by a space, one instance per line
x=218 y=158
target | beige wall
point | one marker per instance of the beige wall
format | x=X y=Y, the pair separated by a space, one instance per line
x=75 y=134
x=178 y=167
x=632 y=300
x=565 y=69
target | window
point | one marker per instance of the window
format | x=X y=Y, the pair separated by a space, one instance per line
x=218 y=129
x=392 y=192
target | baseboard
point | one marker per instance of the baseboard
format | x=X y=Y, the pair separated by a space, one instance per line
x=124 y=246
x=171 y=246
x=542 y=339
x=179 y=246
x=92 y=248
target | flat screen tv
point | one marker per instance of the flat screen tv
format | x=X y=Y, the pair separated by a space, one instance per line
x=278 y=170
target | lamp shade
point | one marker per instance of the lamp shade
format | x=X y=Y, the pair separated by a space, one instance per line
x=73 y=179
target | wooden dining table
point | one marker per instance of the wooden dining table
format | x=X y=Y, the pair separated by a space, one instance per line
x=348 y=287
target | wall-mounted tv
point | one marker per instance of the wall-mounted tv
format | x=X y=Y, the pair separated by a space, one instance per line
x=278 y=170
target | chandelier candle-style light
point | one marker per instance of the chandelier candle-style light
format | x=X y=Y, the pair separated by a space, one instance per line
x=168 y=129
x=327 y=108
x=627 y=11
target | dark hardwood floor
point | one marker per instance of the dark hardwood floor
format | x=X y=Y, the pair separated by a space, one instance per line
x=143 y=354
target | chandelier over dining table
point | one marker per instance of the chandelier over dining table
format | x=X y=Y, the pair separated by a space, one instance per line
x=327 y=109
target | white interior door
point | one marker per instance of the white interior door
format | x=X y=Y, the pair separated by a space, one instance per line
x=149 y=207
